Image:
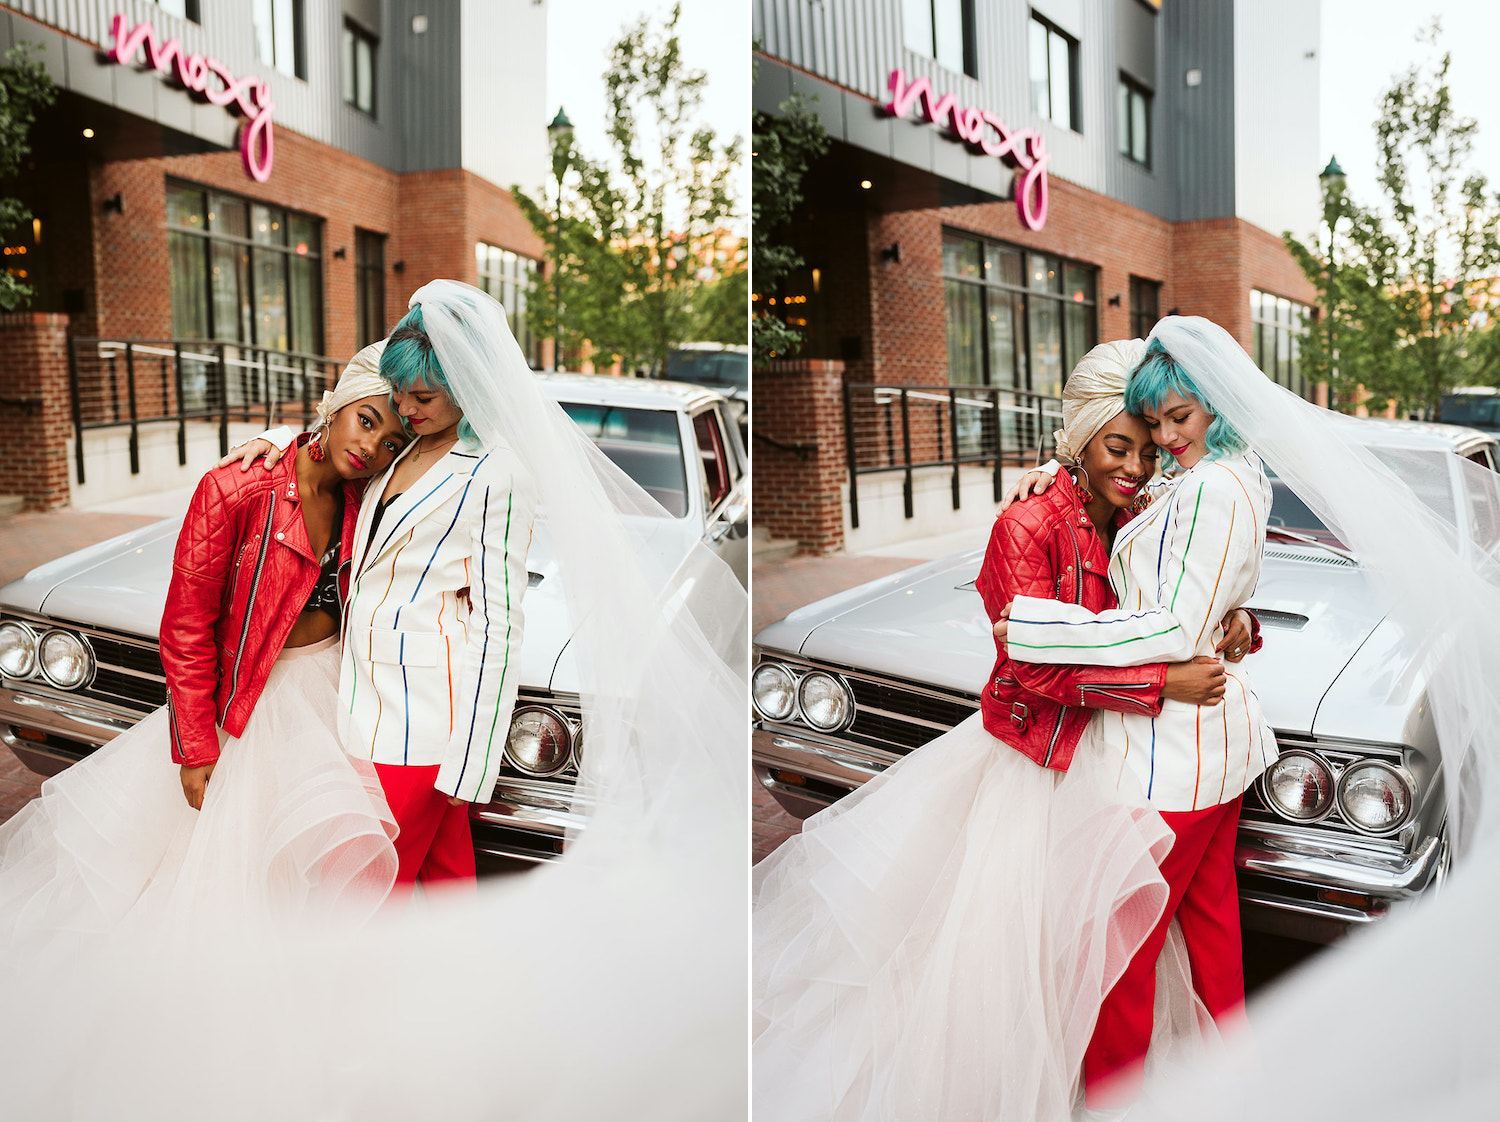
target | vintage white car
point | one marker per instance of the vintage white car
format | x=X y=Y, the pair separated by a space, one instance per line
x=78 y=646
x=1348 y=819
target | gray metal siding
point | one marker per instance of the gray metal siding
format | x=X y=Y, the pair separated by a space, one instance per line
x=857 y=43
x=418 y=103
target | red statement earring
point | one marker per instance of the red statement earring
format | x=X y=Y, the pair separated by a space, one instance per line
x=1085 y=496
x=315 y=448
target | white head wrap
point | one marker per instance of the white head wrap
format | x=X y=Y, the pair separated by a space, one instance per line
x=1095 y=393
x=360 y=379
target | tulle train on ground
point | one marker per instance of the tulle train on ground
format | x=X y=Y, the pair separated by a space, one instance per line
x=937 y=944
x=289 y=824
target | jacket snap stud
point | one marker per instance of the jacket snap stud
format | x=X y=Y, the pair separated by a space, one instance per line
x=279 y=537
x=1088 y=564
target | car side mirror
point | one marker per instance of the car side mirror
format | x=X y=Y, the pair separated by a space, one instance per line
x=737 y=517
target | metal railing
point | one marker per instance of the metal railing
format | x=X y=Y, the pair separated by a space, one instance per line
x=889 y=428
x=125 y=383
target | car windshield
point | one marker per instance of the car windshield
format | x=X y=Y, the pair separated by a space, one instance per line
x=714 y=368
x=646 y=444
x=1475 y=410
x=1424 y=470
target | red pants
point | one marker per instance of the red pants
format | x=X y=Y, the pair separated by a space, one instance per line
x=1201 y=892
x=434 y=843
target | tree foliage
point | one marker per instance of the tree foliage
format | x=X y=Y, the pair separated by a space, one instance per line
x=1413 y=279
x=784 y=146
x=25 y=89
x=638 y=244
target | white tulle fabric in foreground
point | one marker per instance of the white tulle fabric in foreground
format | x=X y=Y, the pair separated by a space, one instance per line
x=111 y=851
x=609 y=984
x=937 y=944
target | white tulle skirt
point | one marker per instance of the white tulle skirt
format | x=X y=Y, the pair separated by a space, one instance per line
x=289 y=824
x=937 y=944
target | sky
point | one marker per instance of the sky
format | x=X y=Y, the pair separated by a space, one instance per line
x=1366 y=42
x=715 y=37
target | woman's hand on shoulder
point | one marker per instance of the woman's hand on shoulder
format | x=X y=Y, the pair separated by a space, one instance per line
x=1034 y=482
x=1237 y=635
x=1002 y=625
x=252 y=450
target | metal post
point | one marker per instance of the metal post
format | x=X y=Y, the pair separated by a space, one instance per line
x=306 y=396
x=937 y=412
x=74 y=395
x=851 y=457
x=181 y=415
x=953 y=424
x=135 y=433
x=906 y=487
x=265 y=365
x=999 y=442
x=223 y=404
x=890 y=434
x=114 y=387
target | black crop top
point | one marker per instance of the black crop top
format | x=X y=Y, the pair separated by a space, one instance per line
x=325 y=594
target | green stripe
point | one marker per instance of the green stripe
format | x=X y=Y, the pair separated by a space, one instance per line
x=1189 y=548
x=1089 y=646
x=509 y=504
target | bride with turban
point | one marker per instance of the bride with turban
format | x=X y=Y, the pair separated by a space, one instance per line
x=938 y=944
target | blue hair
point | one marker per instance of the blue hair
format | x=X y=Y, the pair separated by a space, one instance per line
x=1160 y=374
x=409 y=361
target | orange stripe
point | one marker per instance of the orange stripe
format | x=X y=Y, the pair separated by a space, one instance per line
x=1224 y=712
x=448 y=647
x=1126 y=755
x=1249 y=732
x=1222 y=562
x=1198 y=738
x=379 y=707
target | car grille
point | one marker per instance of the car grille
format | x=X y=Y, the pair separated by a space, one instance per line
x=128 y=672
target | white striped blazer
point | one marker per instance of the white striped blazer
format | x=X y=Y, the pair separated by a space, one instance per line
x=1188 y=559
x=433 y=627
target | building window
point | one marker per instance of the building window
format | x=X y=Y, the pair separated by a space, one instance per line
x=359 y=67
x=243 y=272
x=1133 y=121
x=184 y=9
x=508 y=277
x=1054 y=74
x=369 y=286
x=279 y=38
x=1145 y=305
x=943 y=30
x=1018 y=320
x=1278 y=326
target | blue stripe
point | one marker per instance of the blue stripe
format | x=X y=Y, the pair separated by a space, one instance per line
x=1165 y=533
x=405 y=692
x=462 y=496
x=419 y=502
x=485 y=649
x=1081 y=622
x=1151 y=777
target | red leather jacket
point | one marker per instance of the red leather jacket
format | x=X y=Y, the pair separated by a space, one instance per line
x=1047 y=546
x=242 y=573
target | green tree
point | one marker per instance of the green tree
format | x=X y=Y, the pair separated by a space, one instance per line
x=784 y=146
x=639 y=243
x=25 y=89
x=1409 y=289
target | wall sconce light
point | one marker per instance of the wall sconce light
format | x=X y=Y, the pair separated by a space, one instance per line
x=866 y=184
x=1172 y=312
x=341 y=252
x=1114 y=301
x=116 y=203
x=36 y=231
x=419 y=25
x=399 y=267
x=892 y=253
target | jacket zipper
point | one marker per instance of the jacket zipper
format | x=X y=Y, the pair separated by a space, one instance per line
x=1062 y=712
x=260 y=561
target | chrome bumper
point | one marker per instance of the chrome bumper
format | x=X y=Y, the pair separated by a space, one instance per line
x=528 y=819
x=72 y=727
x=1288 y=872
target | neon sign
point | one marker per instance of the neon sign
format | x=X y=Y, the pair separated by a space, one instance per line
x=250 y=97
x=1024 y=149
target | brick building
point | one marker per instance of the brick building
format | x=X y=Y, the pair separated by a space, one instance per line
x=1007 y=185
x=270 y=179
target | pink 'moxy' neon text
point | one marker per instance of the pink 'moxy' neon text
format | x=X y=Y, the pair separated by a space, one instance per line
x=1023 y=149
x=250 y=97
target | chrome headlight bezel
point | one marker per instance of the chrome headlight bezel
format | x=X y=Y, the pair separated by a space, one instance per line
x=566 y=729
x=1401 y=780
x=28 y=638
x=791 y=691
x=1330 y=802
x=85 y=651
x=845 y=719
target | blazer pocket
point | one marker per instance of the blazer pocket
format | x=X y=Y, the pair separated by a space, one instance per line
x=405 y=648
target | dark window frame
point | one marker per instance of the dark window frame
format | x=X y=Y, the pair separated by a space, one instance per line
x=354 y=35
x=369 y=286
x=1139 y=312
x=524 y=279
x=299 y=40
x=1075 y=99
x=192 y=10
x=1125 y=143
x=970 y=47
x=285 y=250
x=1290 y=320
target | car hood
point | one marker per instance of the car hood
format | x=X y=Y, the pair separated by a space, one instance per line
x=121 y=584
x=928 y=624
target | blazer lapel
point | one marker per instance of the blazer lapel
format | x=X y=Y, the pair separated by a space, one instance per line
x=435 y=487
x=1139 y=523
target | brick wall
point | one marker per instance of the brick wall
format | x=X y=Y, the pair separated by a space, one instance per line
x=798 y=439
x=34 y=370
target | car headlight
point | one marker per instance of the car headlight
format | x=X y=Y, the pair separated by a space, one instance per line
x=1299 y=786
x=774 y=691
x=17 y=650
x=825 y=701
x=1374 y=796
x=66 y=659
x=540 y=741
